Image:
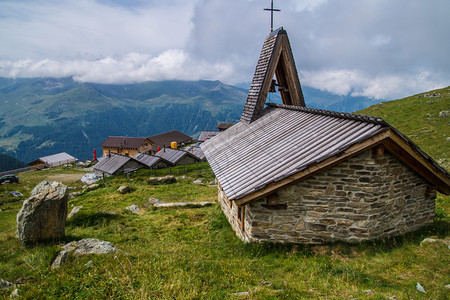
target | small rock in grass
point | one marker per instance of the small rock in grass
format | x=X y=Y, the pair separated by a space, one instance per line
x=162 y=180
x=124 y=189
x=5 y=284
x=132 y=208
x=107 y=212
x=420 y=288
x=447 y=287
x=242 y=294
x=89 y=264
x=427 y=240
x=15 y=294
x=74 y=211
x=152 y=201
x=197 y=181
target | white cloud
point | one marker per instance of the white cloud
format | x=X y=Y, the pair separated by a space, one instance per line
x=382 y=49
x=357 y=83
x=133 y=67
x=69 y=29
x=309 y=5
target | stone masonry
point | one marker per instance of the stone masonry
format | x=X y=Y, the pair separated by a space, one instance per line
x=366 y=197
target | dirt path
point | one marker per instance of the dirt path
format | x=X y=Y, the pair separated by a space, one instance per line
x=65 y=178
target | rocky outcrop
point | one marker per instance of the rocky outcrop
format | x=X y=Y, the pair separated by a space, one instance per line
x=43 y=215
x=83 y=247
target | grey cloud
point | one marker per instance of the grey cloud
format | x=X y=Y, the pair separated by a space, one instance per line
x=382 y=49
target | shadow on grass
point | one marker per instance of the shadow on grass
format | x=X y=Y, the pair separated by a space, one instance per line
x=92 y=219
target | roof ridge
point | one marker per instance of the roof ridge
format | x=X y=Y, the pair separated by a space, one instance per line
x=331 y=113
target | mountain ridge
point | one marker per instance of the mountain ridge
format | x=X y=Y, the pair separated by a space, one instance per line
x=43 y=116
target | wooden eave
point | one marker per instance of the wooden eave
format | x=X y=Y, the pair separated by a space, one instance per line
x=388 y=138
x=286 y=73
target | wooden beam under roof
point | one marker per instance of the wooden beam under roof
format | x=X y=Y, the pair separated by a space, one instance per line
x=394 y=143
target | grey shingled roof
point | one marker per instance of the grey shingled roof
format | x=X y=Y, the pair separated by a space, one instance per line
x=282 y=142
x=173 y=155
x=148 y=160
x=197 y=151
x=256 y=96
x=206 y=135
x=110 y=165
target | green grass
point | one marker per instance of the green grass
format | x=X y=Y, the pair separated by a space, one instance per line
x=418 y=117
x=192 y=253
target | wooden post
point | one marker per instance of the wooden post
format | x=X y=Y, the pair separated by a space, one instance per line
x=170 y=172
x=103 y=177
x=186 y=172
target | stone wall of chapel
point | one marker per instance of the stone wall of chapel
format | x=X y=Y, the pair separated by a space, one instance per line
x=362 y=198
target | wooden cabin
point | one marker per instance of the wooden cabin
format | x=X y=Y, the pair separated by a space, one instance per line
x=128 y=146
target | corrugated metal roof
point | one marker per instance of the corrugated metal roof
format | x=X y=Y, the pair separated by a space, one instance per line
x=282 y=142
x=110 y=165
x=148 y=160
x=58 y=159
x=123 y=142
x=173 y=155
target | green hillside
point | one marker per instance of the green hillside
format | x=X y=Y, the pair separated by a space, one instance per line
x=424 y=118
x=44 y=116
x=10 y=163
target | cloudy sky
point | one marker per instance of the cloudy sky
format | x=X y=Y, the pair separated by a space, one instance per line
x=385 y=49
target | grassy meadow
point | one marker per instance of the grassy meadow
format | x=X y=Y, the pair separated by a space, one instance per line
x=192 y=253
x=424 y=118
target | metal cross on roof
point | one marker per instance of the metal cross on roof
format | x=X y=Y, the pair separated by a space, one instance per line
x=271 y=9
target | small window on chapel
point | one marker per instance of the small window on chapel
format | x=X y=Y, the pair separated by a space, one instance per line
x=241 y=216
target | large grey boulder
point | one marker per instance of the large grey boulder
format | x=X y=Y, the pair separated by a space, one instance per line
x=43 y=215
